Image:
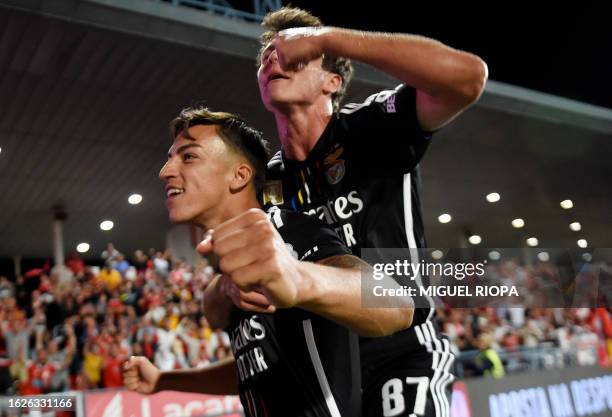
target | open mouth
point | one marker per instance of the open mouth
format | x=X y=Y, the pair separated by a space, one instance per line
x=173 y=192
x=275 y=77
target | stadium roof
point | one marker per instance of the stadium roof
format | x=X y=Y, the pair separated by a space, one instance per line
x=87 y=88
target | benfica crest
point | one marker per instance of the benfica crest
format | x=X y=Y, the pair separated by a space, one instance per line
x=335 y=172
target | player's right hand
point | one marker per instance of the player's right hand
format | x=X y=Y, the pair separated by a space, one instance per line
x=295 y=47
x=140 y=375
x=253 y=254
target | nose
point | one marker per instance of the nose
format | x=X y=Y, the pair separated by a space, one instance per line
x=272 y=58
x=168 y=171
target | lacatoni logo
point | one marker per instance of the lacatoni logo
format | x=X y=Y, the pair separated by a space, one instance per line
x=163 y=404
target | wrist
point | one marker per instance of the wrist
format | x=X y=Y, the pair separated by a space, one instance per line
x=159 y=382
x=308 y=290
x=324 y=38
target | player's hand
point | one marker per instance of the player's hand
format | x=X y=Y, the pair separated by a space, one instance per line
x=140 y=375
x=245 y=300
x=296 y=47
x=254 y=256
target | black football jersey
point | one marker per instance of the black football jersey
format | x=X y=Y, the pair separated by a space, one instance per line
x=292 y=362
x=362 y=178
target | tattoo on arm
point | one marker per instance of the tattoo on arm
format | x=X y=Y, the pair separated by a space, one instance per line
x=344 y=261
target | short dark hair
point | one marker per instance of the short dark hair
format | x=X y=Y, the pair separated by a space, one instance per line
x=234 y=131
x=292 y=17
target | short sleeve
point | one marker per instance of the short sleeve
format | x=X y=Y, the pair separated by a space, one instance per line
x=384 y=130
x=309 y=238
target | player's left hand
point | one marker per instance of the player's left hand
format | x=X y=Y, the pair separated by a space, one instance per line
x=254 y=256
x=245 y=300
x=296 y=47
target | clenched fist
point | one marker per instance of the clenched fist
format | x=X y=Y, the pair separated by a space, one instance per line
x=296 y=47
x=140 y=375
x=255 y=258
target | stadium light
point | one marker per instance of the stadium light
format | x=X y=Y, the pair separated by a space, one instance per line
x=444 y=218
x=475 y=239
x=107 y=225
x=82 y=247
x=135 y=199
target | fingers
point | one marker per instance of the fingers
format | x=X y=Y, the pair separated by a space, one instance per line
x=131 y=377
x=243 y=305
x=131 y=363
x=295 y=47
x=247 y=255
x=239 y=222
x=205 y=246
x=131 y=382
x=226 y=242
x=249 y=301
x=229 y=235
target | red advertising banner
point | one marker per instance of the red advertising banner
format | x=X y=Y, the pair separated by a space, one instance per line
x=460 y=404
x=163 y=404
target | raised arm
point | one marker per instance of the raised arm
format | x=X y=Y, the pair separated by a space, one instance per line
x=447 y=80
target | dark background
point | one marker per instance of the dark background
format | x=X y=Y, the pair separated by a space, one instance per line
x=560 y=50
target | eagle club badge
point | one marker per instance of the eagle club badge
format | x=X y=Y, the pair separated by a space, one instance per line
x=273 y=192
x=335 y=172
x=335 y=168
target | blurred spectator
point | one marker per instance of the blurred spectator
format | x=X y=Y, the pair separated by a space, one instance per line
x=112 y=367
x=488 y=362
x=121 y=264
x=92 y=365
x=110 y=277
x=141 y=261
x=156 y=310
x=39 y=375
x=75 y=263
x=161 y=264
x=110 y=255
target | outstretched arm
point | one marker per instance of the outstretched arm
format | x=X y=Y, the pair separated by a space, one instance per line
x=140 y=375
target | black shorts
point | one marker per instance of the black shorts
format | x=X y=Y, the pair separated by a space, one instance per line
x=417 y=384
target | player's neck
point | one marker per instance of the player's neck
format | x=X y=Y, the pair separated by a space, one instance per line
x=300 y=127
x=233 y=205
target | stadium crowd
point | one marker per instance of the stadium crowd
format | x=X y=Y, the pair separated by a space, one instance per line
x=58 y=335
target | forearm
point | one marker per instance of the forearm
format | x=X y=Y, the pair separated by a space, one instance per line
x=423 y=63
x=217 y=306
x=333 y=290
x=217 y=379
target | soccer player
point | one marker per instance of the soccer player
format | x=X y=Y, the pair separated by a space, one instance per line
x=356 y=167
x=302 y=344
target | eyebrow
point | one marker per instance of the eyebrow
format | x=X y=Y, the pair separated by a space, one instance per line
x=182 y=148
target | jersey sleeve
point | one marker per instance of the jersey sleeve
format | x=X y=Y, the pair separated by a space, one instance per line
x=307 y=237
x=384 y=131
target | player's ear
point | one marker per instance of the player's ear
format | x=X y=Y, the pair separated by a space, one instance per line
x=333 y=83
x=242 y=175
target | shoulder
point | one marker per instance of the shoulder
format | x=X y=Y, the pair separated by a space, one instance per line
x=383 y=101
x=307 y=237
